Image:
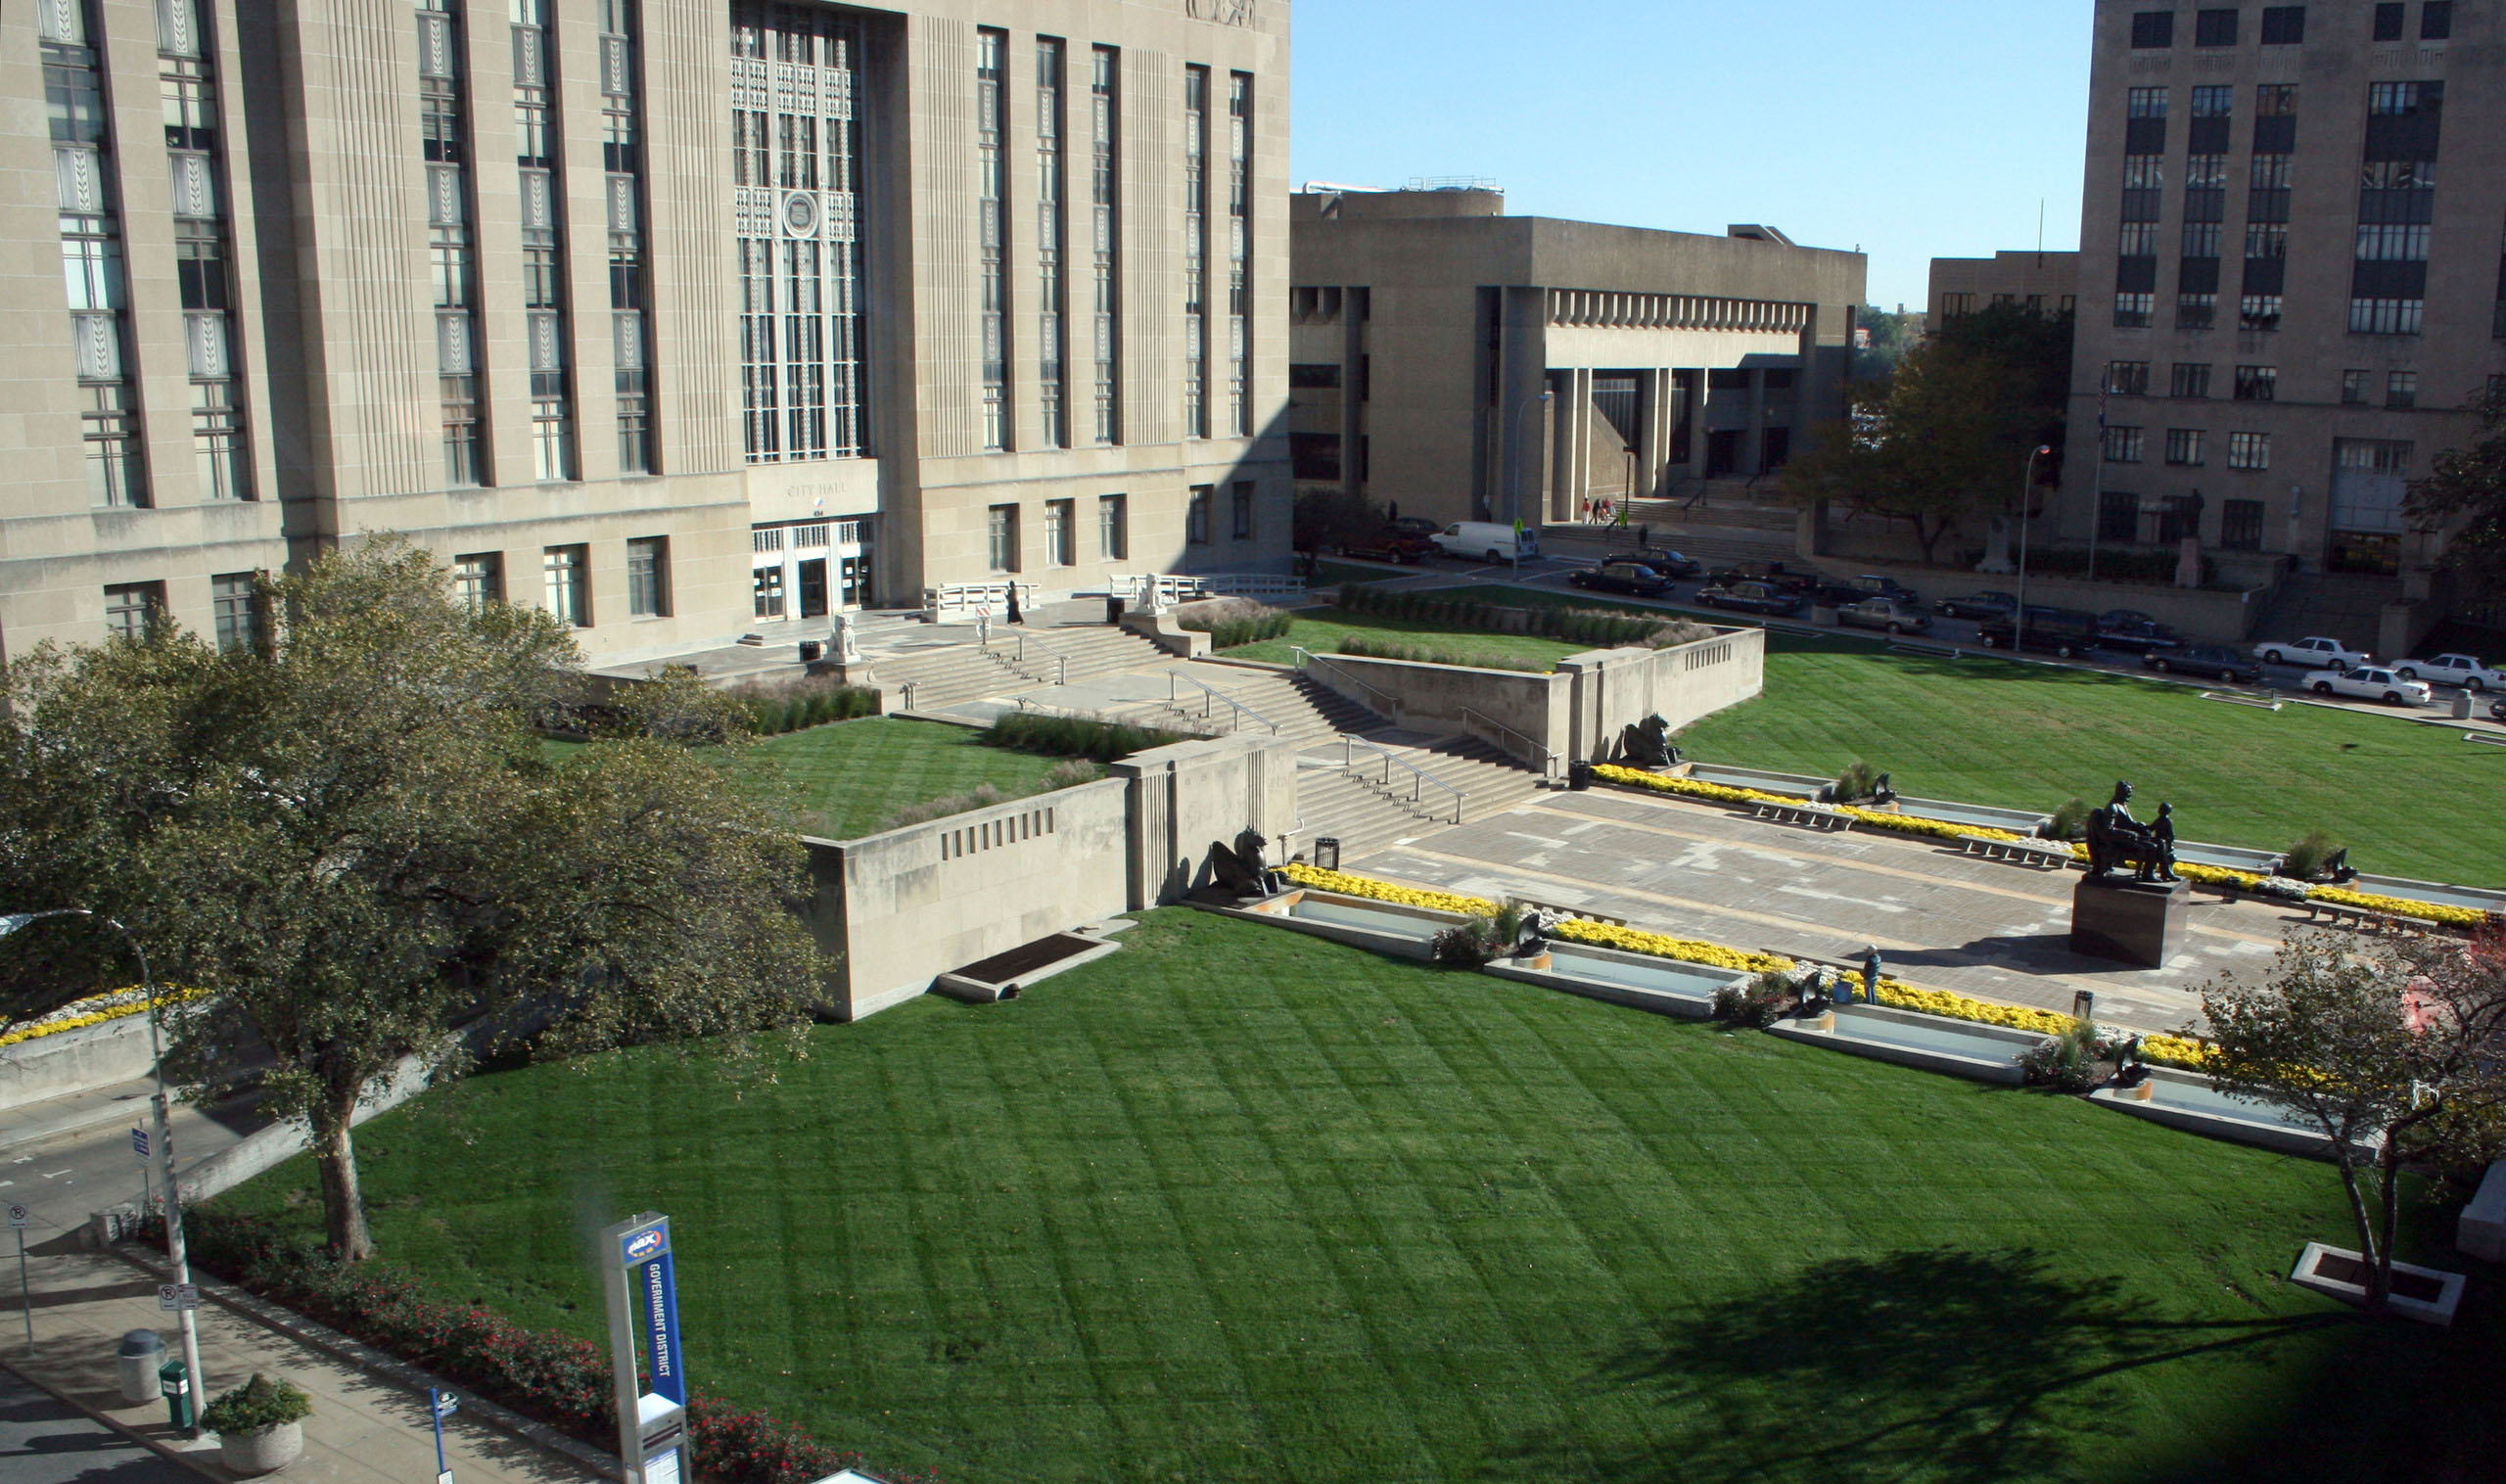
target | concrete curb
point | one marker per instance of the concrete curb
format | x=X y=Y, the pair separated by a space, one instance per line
x=196 y=1464
x=379 y=1363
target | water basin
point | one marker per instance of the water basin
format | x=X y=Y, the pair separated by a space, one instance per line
x=1374 y=919
x=1664 y=975
x=1943 y=1036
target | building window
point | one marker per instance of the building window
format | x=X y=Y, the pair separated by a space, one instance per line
x=1058 y=537
x=2249 y=450
x=2214 y=29
x=2353 y=389
x=2257 y=384
x=992 y=217
x=2118 y=516
x=2392 y=242
x=2153 y=31
x=2401 y=389
x=2144 y=172
x=2241 y=524
x=1240 y=253
x=2184 y=446
x=464 y=446
x=2435 y=19
x=2284 y=25
x=622 y=162
x=1196 y=517
x=2214 y=101
x=2133 y=310
x=2266 y=239
x=1242 y=511
x=2385 y=316
x=2146 y=103
x=2258 y=311
x=2189 y=380
x=218 y=457
x=479 y=580
x=1196 y=252
x=2267 y=173
x=2200 y=239
x=1104 y=100
x=2127 y=378
x=2122 y=445
x=648 y=578
x=2138 y=240
x=1051 y=234
x=2196 y=311
x=543 y=220
x=2389 y=23
x=116 y=475
x=1113 y=529
x=569 y=584
x=1003 y=553
x=132 y=609
x=231 y=601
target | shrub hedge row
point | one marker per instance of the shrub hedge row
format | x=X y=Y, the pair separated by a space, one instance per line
x=803 y=704
x=1370 y=647
x=1074 y=736
x=1602 y=628
x=1236 y=620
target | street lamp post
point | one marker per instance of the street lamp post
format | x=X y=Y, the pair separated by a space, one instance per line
x=164 y=1146
x=1514 y=510
x=2027 y=486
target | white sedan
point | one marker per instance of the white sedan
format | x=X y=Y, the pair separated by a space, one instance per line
x=2314 y=652
x=2369 y=682
x=2453 y=670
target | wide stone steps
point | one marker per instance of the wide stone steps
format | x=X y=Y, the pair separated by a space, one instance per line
x=1333 y=804
x=1302 y=710
x=943 y=674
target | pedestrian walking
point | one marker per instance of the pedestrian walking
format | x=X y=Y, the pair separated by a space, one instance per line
x=1014 y=615
x=1871 y=974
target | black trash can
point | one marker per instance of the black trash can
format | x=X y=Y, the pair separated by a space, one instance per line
x=810 y=649
x=1579 y=775
x=1113 y=609
x=1326 y=853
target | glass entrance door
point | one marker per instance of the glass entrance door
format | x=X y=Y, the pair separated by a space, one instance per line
x=813 y=587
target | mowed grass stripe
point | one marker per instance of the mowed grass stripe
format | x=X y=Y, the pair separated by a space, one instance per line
x=1237 y=1204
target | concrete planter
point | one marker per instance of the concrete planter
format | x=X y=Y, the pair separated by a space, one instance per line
x=263 y=1450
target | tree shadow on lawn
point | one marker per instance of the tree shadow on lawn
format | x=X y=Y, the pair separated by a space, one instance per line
x=1931 y=1363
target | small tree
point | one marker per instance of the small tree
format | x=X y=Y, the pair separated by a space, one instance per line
x=2464 y=495
x=357 y=841
x=2394 y=1049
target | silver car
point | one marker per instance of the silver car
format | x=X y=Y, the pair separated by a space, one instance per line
x=1895 y=615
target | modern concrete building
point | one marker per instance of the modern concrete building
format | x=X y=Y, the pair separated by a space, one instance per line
x=2292 y=276
x=1463 y=363
x=2041 y=283
x=683 y=317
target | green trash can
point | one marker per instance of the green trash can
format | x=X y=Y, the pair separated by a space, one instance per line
x=175 y=1384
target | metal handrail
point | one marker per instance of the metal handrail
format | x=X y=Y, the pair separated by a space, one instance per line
x=1419 y=777
x=1546 y=758
x=1390 y=711
x=1208 y=691
x=1018 y=656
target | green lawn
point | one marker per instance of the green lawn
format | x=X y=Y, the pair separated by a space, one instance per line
x=1236 y=1204
x=1329 y=574
x=1323 y=635
x=846 y=780
x=2413 y=800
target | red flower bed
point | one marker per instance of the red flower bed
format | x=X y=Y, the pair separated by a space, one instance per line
x=551 y=1379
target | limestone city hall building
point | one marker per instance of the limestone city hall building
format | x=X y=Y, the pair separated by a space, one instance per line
x=682 y=318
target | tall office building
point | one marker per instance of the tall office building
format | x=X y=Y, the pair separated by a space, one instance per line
x=2292 y=274
x=681 y=318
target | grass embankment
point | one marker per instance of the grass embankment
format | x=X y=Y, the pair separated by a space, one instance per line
x=850 y=780
x=1238 y=1204
x=2411 y=800
x=1322 y=630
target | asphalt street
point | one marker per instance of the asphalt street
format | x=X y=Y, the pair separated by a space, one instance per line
x=62 y=1180
x=44 y=1441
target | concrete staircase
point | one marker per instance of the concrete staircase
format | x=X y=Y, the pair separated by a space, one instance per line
x=2346 y=607
x=1367 y=811
x=1303 y=710
x=955 y=669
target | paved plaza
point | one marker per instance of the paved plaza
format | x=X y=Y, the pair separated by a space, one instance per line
x=1943 y=920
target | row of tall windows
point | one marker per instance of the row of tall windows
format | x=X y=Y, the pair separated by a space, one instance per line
x=187 y=84
x=443 y=133
x=2286 y=25
x=796 y=156
x=1239 y=230
x=536 y=136
x=1004 y=552
x=91 y=253
x=1196 y=252
x=1105 y=115
x=2396 y=203
x=2124 y=444
x=1052 y=233
x=992 y=213
x=623 y=166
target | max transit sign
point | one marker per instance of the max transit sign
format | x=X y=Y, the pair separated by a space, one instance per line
x=642 y=1288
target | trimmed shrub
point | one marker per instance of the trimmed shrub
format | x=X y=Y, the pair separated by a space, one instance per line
x=1074 y=736
x=1234 y=622
x=800 y=704
x=257 y=1404
x=1598 y=627
x=1369 y=647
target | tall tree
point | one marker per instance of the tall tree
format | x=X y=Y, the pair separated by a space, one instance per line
x=2396 y=1054
x=2464 y=495
x=356 y=841
x=1946 y=435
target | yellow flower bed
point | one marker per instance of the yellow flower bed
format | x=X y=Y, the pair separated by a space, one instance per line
x=2455 y=916
x=1384 y=891
x=2175 y=1050
x=1906 y=996
x=1663 y=945
x=1691 y=788
x=94 y=1010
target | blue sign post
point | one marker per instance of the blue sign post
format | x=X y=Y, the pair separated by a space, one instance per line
x=643 y=1336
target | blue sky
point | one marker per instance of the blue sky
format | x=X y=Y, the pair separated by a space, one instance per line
x=1911 y=130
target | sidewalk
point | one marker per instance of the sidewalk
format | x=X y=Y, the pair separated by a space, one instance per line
x=364 y=1429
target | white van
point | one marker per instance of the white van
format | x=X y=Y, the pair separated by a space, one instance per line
x=1487 y=541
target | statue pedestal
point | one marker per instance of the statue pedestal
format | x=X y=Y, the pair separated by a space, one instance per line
x=2129 y=921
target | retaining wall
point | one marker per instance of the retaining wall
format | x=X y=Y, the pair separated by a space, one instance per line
x=74 y=1061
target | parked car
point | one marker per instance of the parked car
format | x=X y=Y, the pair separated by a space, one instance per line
x=2315 y=652
x=1749 y=597
x=1621 y=576
x=2065 y=631
x=1889 y=614
x=1669 y=564
x=1772 y=574
x=2211 y=660
x=1393 y=544
x=2368 y=682
x=1873 y=586
x=2453 y=670
x=1976 y=605
x=2129 y=629
x=2497 y=711
x=1488 y=541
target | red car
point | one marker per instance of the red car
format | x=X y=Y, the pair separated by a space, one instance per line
x=1399 y=541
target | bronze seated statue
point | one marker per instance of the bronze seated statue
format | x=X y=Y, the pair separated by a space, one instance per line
x=2115 y=840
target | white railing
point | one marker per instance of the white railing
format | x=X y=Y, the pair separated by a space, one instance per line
x=1539 y=756
x=1305 y=658
x=1211 y=693
x=1176 y=588
x=963 y=602
x=1419 y=778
